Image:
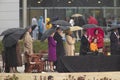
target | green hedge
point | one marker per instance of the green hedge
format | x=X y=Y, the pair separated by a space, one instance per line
x=37 y=46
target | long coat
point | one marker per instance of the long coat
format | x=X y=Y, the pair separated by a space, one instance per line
x=11 y=56
x=60 y=51
x=69 y=46
x=114 y=46
x=28 y=43
x=85 y=46
x=51 y=49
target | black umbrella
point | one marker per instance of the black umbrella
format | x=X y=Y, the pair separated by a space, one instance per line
x=61 y=23
x=11 y=39
x=89 y=26
x=8 y=31
x=47 y=33
x=62 y=27
x=113 y=27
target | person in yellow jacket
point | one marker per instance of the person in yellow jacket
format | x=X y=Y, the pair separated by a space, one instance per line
x=93 y=45
x=48 y=24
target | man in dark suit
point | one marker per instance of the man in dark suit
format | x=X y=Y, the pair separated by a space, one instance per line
x=114 y=42
x=85 y=46
x=60 y=51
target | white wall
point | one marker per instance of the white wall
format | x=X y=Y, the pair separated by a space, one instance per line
x=9 y=14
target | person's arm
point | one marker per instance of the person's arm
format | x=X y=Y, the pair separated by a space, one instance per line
x=52 y=41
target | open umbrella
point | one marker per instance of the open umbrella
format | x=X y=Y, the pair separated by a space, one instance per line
x=75 y=28
x=47 y=33
x=8 y=31
x=61 y=23
x=86 y=26
x=113 y=27
x=12 y=35
x=76 y=15
x=11 y=39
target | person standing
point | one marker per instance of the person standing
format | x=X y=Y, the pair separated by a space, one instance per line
x=48 y=24
x=69 y=44
x=35 y=31
x=11 y=59
x=114 y=42
x=10 y=53
x=41 y=27
x=60 y=51
x=51 y=51
x=81 y=23
x=71 y=21
x=28 y=46
x=85 y=45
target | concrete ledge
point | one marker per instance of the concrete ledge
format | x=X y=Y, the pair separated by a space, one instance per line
x=64 y=76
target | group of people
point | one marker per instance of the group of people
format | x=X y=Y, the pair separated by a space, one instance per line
x=56 y=48
x=41 y=28
x=91 y=45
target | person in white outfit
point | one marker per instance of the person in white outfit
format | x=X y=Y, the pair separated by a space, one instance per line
x=35 y=31
x=71 y=21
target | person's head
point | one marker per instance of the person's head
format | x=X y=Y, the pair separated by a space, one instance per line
x=29 y=30
x=50 y=77
x=96 y=32
x=94 y=40
x=58 y=29
x=68 y=32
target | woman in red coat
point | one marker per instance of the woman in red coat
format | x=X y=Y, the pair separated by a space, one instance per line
x=100 y=40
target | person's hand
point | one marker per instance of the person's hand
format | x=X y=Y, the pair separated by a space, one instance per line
x=55 y=41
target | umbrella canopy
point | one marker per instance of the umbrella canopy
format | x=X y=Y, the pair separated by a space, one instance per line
x=86 y=26
x=47 y=33
x=61 y=23
x=32 y=27
x=76 y=15
x=8 y=31
x=91 y=29
x=12 y=35
x=63 y=27
x=113 y=27
x=11 y=39
x=75 y=28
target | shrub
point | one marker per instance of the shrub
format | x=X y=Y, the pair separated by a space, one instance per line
x=37 y=46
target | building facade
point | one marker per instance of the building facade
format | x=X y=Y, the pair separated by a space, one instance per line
x=18 y=13
x=9 y=14
x=65 y=8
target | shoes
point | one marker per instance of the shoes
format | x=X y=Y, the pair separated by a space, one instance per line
x=51 y=70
